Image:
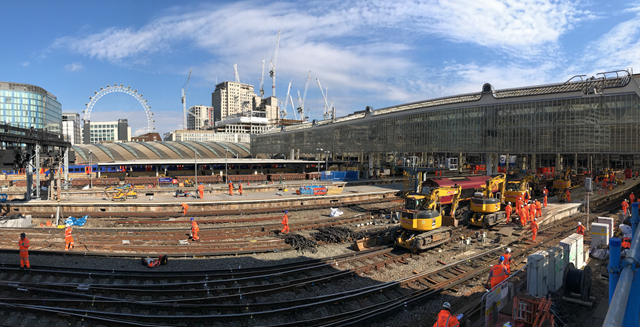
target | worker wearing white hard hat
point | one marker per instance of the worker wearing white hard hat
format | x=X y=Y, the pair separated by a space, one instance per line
x=445 y=318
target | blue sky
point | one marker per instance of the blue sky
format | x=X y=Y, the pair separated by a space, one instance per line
x=376 y=53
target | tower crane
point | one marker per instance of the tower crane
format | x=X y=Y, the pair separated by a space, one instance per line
x=184 y=100
x=304 y=96
x=272 y=72
x=262 y=81
x=235 y=72
x=324 y=96
x=283 y=113
x=294 y=112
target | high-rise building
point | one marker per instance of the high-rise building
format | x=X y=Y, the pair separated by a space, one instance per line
x=232 y=99
x=198 y=117
x=27 y=106
x=106 y=131
x=71 y=127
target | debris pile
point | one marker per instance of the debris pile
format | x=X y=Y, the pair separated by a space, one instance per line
x=301 y=243
x=334 y=234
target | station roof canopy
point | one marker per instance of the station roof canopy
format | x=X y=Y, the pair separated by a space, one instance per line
x=160 y=152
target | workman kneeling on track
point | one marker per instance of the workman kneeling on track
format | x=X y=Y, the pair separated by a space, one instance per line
x=152 y=263
x=497 y=274
x=68 y=238
x=23 y=245
x=194 y=230
x=446 y=319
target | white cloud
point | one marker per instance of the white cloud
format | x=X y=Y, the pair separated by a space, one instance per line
x=617 y=49
x=25 y=64
x=74 y=67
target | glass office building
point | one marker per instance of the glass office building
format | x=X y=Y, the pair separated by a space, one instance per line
x=26 y=106
x=572 y=120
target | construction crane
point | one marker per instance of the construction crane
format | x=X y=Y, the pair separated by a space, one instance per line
x=262 y=81
x=184 y=100
x=294 y=112
x=272 y=72
x=325 y=114
x=301 y=102
x=283 y=113
x=235 y=72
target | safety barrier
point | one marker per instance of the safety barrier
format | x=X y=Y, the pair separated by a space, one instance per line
x=624 y=287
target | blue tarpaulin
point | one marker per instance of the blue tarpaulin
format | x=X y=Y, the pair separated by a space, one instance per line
x=76 y=221
x=339 y=176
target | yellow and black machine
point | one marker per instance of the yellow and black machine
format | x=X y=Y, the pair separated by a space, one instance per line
x=422 y=224
x=561 y=184
x=486 y=206
x=119 y=196
x=518 y=188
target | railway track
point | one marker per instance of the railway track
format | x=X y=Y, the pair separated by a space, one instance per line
x=256 y=298
x=135 y=242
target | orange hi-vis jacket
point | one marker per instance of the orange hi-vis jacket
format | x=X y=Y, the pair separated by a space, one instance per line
x=194 y=227
x=498 y=273
x=24 y=244
x=285 y=219
x=67 y=233
x=446 y=319
x=580 y=230
x=507 y=261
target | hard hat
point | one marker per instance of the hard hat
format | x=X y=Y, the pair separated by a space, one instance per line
x=286 y=211
x=191 y=218
x=68 y=225
x=508 y=250
x=501 y=259
x=446 y=305
x=535 y=219
x=509 y=203
x=579 y=224
x=23 y=235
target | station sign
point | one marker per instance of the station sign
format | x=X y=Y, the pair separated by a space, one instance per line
x=165 y=180
x=3 y=197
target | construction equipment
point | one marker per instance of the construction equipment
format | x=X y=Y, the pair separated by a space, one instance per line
x=120 y=196
x=272 y=71
x=262 y=81
x=304 y=117
x=486 y=205
x=132 y=194
x=184 y=101
x=325 y=114
x=518 y=188
x=283 y=112
x=422 y=224
x=561 y=184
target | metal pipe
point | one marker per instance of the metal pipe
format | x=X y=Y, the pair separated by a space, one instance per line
x=614 y=265
x=620 y=299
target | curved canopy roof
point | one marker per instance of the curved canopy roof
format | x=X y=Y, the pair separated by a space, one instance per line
x=131 y=151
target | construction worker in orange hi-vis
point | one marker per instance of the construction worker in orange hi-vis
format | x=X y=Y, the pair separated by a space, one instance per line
x=201 y=190
x=534 y=228
x=580 y=229
x=23 y=245
x=625 y=206
x=532 y=210
x=545 y=192
x=568 y=195
x=240 y=187
x=538 y=209
x=285 y=222
x=507 y=211
x=518 y=204
x=523 y=215
x=68 y=239
x=184 y=208
x=446 y=319
x=194 y=230
x=230 y=189
x=508 y=260
x=632 y=198
x=497 y=273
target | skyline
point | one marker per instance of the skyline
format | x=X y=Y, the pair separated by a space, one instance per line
x=367 y=53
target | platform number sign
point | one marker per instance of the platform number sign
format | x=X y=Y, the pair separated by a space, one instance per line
x=3 y=197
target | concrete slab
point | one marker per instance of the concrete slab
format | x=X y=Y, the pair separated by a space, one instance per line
x=505 y=231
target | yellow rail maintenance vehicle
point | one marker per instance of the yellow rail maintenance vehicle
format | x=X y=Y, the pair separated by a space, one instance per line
x=519 y=188
x=561 y=184
x=422 y=224
x=486 y=206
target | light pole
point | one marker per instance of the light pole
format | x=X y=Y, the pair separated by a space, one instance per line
x=195 y=157
x=90 y=170
x=393 y=171
x=319 y=150
x=226 y=171
x=326 y=155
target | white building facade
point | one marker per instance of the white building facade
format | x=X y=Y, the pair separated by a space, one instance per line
x=106 y=132
x=199 y=117
x=71 y=127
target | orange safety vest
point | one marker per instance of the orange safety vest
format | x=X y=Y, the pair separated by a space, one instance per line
x=534 y=227
x=626 y=243
x=632 y=198
x=507 y=210
x=194 y=227
x=67 y=232
x=24 y=244
x=201 y=188
x=580 y=230
x=498 y=274
x=507 y=261
x=285 y=219
x=446 y=319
